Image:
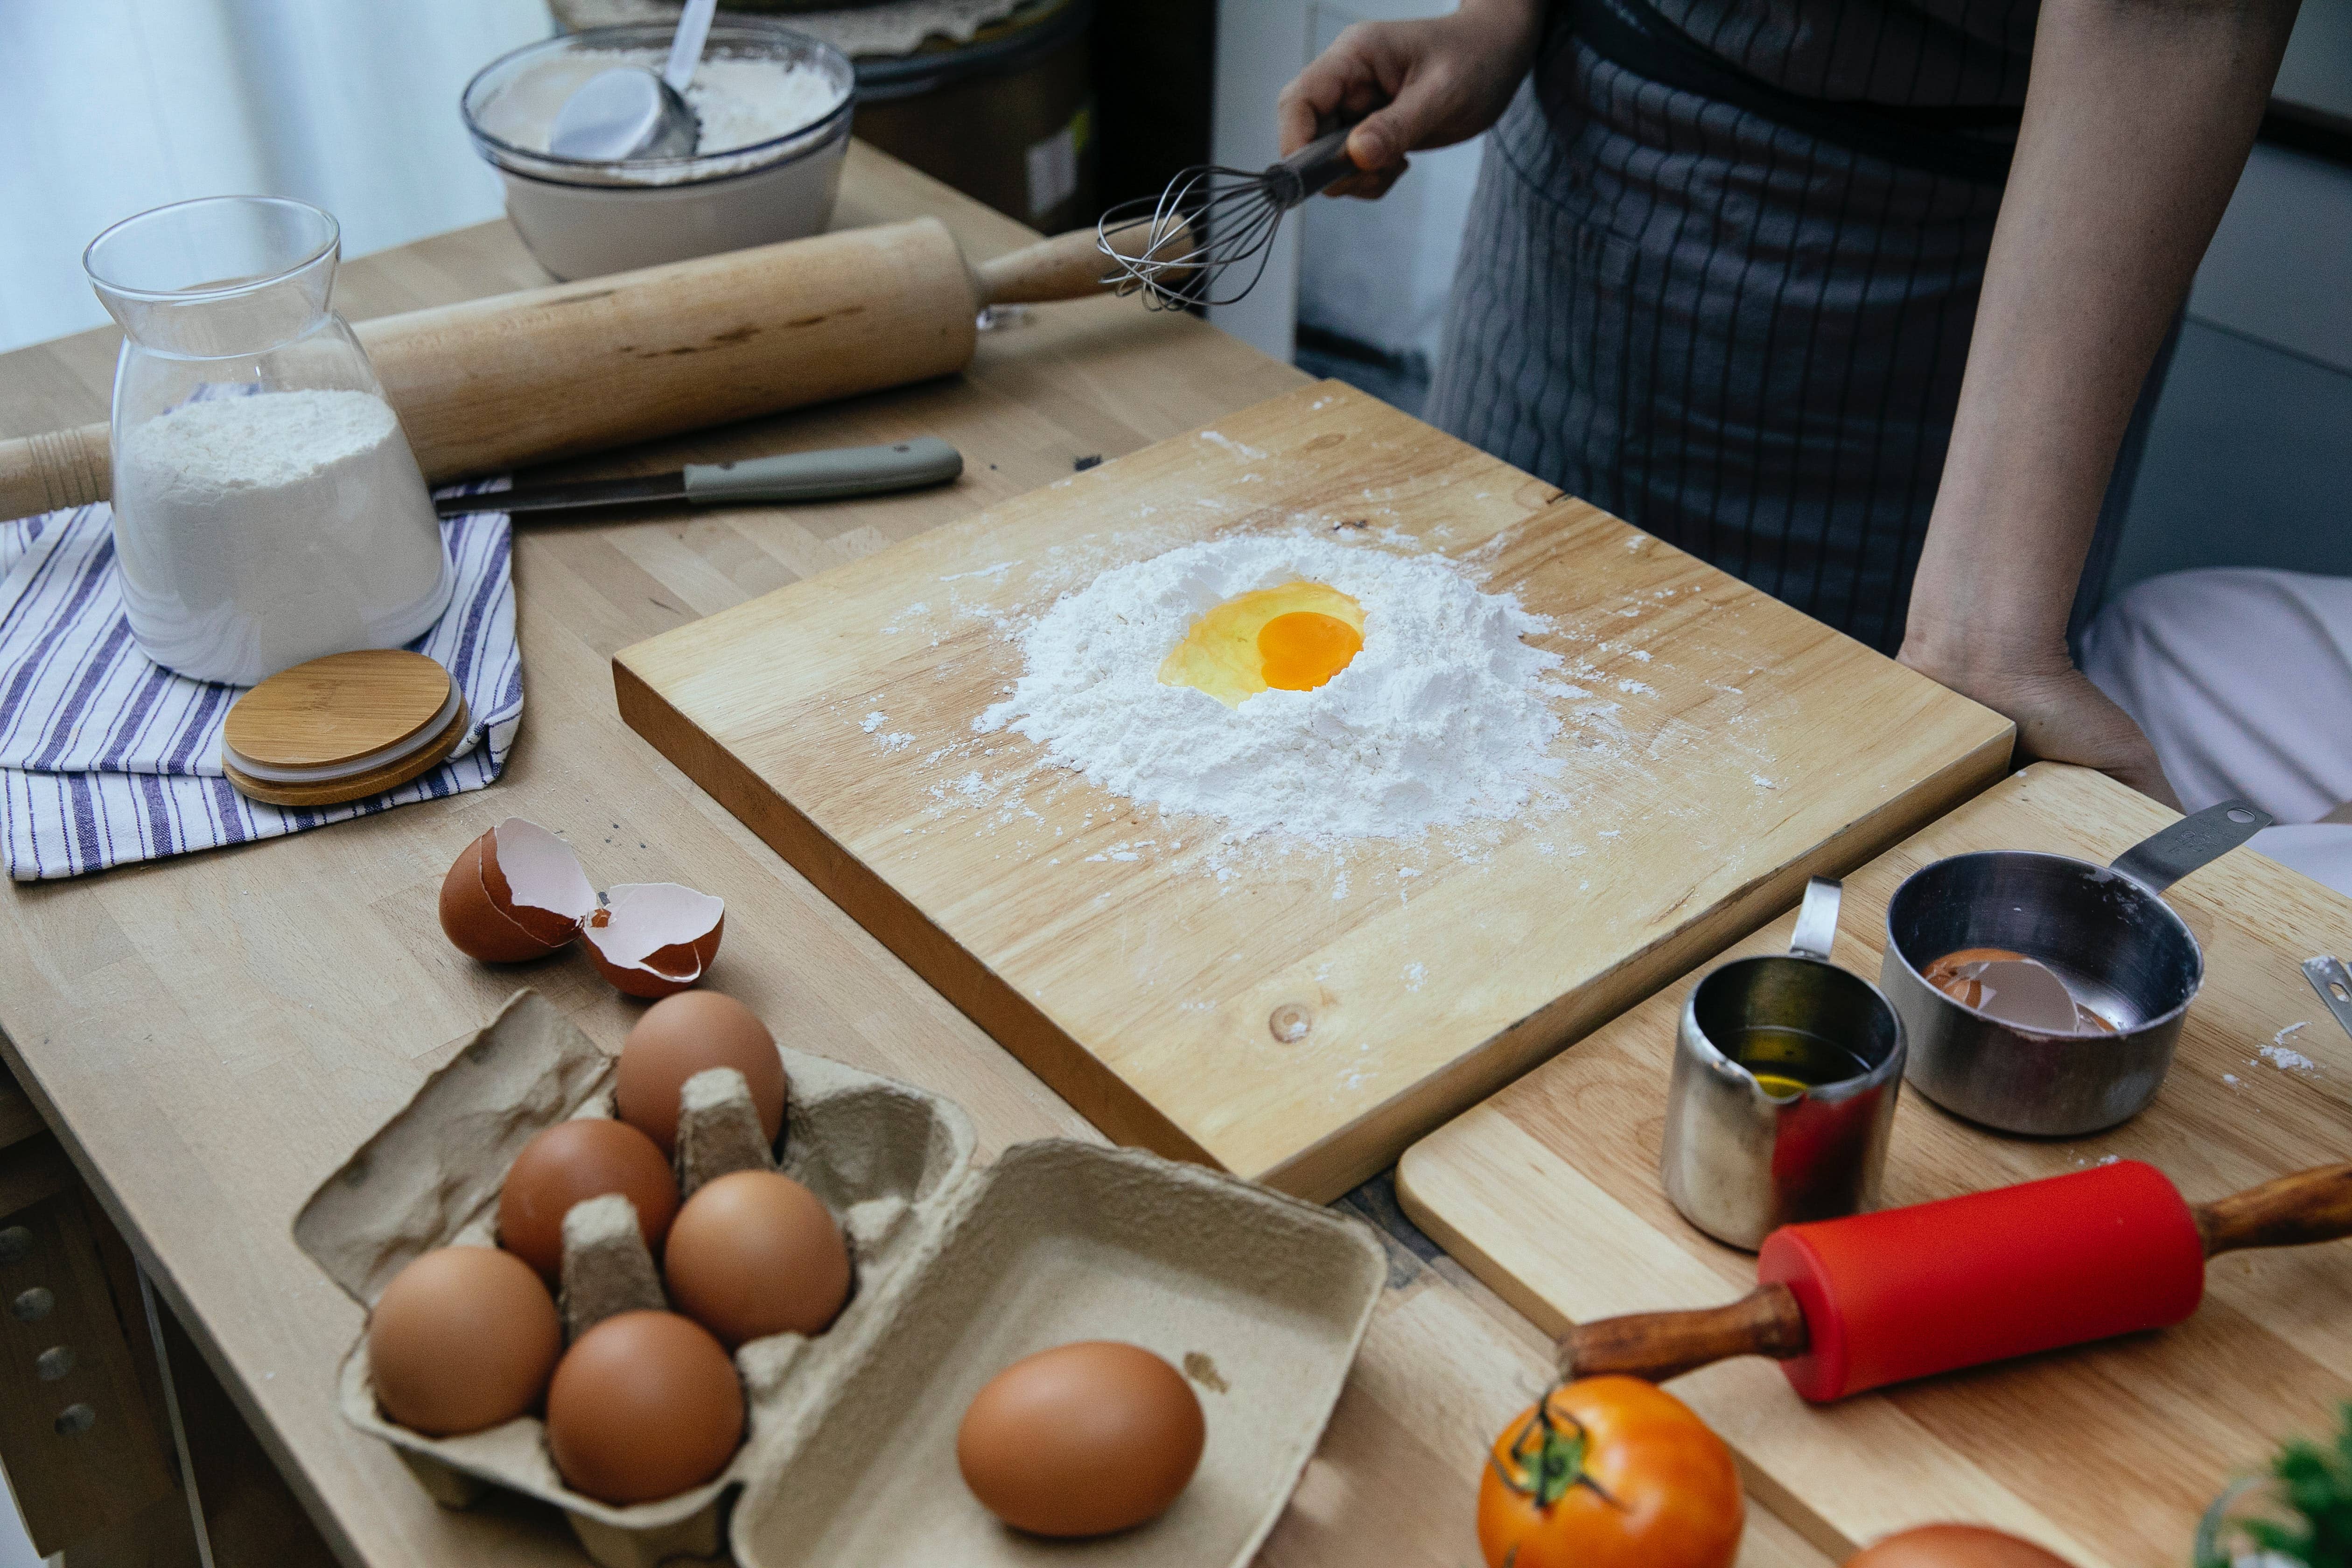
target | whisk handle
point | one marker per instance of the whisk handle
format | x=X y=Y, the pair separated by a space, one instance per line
x=1307 y=171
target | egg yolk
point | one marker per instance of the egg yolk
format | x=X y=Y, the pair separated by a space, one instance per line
x=1306 y=647
x=1294 y=638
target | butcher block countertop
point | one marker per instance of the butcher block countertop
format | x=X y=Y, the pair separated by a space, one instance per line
x=210 y=1036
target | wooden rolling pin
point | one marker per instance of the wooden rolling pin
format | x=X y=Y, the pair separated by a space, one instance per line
x=1850 y=1304
x=579 y=367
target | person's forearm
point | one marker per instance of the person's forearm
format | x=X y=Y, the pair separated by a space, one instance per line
x=2138 y=121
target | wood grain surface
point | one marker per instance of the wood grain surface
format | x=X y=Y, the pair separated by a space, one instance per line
x=1136 y=962
x=212 y=1035
x=1550 y=1191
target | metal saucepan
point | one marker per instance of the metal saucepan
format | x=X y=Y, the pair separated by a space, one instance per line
x=1740 y=1160
x=2119 y=948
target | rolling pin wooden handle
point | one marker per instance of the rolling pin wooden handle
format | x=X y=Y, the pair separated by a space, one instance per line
x=1068 y=266
x=60 y=468
x=2293 y=1211
x=1655 y=1346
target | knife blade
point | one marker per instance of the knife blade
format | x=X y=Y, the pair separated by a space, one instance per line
x=825 y=475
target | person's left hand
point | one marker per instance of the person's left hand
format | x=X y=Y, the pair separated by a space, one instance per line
x=2060 y=717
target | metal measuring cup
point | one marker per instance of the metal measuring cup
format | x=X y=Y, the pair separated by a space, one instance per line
x=1739 y=1161
x=2103 y=929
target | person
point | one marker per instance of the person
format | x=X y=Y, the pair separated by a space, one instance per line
x=2238 y=677
x=1854 y=299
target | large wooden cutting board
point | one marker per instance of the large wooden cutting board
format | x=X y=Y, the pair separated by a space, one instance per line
x=2107 y=1453
x=1136 y=966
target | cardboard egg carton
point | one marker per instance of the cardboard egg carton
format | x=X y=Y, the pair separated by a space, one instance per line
x=1259 y=1298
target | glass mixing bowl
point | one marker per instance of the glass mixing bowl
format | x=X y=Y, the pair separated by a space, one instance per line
x=583 y=218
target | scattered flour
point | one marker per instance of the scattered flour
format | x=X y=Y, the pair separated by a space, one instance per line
x=2285 y=1058
x=1444 y=718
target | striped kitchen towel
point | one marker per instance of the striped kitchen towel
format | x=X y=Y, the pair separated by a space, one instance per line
x=106 y=757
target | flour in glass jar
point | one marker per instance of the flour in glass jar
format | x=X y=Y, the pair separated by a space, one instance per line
x=254 y=532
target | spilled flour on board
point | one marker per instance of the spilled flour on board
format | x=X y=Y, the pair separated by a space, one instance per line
x=1529 y=736
x=1445 y=717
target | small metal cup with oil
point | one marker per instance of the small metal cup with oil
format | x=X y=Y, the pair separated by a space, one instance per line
x=1786 y=1073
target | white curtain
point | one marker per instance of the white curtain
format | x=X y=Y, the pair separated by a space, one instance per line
x=110 y=106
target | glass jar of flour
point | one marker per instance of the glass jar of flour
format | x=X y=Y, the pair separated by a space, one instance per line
x=266 y=507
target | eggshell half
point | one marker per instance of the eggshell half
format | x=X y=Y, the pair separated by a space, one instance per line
x=516 y=893
x=655 y=939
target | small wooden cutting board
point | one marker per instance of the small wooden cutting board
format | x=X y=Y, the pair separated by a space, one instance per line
x=1298 y=1017
x=2107 y=1453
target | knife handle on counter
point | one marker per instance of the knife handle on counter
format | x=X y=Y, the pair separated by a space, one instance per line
x=825 y=475
x=1908 y=1293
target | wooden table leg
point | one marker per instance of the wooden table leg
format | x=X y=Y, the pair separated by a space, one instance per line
x=88 y=1436
x=76 y=1436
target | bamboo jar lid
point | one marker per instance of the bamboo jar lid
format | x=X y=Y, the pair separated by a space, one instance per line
x=342 y=728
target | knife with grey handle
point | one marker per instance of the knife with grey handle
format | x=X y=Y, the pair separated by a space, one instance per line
x=826 y=475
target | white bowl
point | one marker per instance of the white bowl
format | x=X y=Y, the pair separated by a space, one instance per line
x=583 y=218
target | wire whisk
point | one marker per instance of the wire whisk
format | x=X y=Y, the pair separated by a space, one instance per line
x=1180 y=247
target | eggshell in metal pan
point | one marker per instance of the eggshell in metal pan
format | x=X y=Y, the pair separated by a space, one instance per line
x=755 y=1253
x=1955 y=1546
x=1082 y=1440
x=679 y=1037
x=585 y=1157
x=644 y=1406
x=463 y=1338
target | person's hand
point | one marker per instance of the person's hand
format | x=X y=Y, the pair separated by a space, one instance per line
x=1416 y=85
x=2060 y=717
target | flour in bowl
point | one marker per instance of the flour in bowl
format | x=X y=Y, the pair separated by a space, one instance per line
x=1447 y=715
x=739 y=103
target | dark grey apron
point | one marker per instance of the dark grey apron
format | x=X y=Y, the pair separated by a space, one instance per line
x=1742 y=336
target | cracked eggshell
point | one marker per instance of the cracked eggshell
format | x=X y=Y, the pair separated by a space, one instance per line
x=516 y=893
x=655 y=939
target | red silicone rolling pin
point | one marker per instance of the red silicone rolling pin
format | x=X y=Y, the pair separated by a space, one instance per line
x=1846 y=1305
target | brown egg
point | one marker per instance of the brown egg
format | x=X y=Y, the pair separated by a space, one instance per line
x=1955 y=1546
x=755 y=1253
x=679 y=1037
x=582 y=1159
x=1082 y=1440
x=514 y=893
x=462 y=1339
x=644 y=1406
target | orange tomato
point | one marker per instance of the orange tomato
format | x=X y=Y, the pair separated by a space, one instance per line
x=1610 y=1472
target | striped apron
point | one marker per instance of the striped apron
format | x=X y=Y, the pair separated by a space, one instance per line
x=1739 y=332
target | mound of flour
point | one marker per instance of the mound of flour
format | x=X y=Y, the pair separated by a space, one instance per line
x=1445 y=716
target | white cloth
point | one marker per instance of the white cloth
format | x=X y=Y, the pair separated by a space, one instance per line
x=106 y=757
x=2242 y=680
